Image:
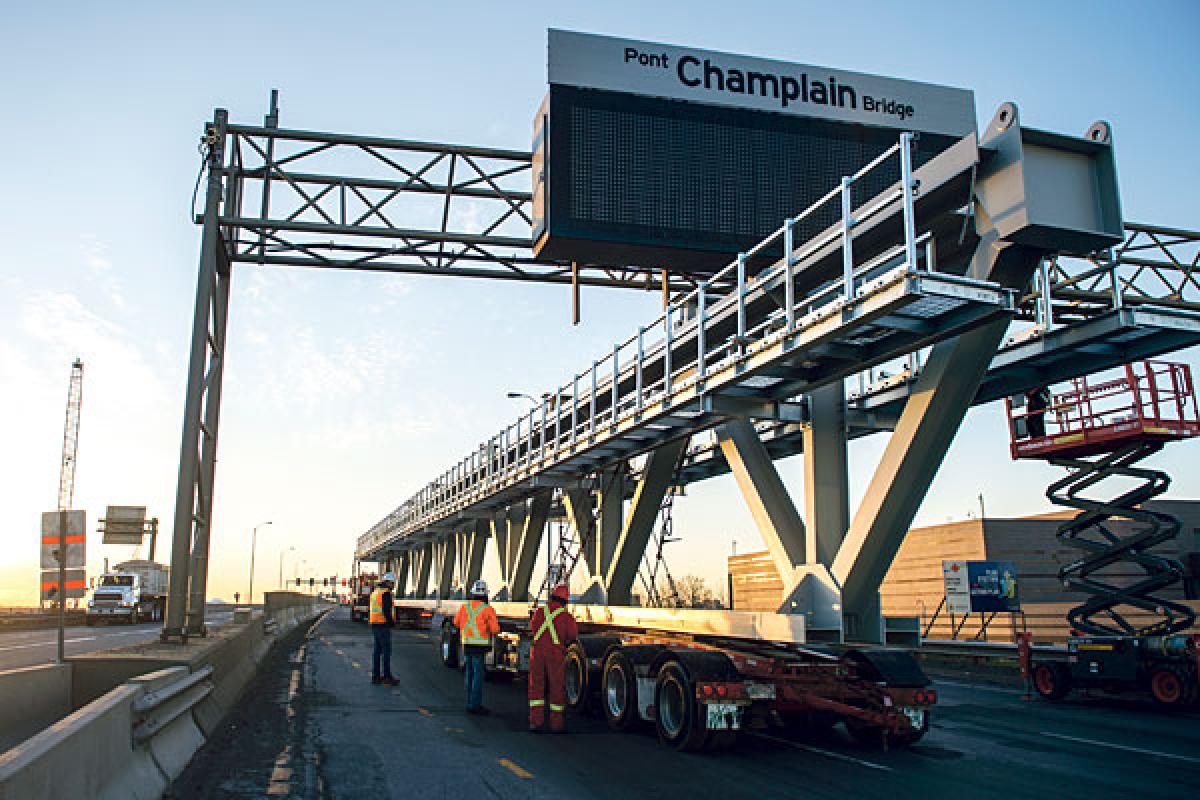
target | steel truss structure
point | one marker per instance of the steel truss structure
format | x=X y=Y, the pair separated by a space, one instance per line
x=329 y=200
x=766 y=343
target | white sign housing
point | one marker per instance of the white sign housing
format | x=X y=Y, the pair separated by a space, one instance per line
x=716 y=78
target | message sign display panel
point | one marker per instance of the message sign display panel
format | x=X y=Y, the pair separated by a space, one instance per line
x=632 y=165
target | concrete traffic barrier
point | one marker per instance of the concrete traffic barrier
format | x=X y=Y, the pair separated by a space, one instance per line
x=131 y=738
x=88 y=754
x=32 y=699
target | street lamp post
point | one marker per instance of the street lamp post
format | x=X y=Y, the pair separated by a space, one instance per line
x=281 y=555
x=253 y=547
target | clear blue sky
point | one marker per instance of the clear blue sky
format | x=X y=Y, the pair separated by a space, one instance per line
x=346 y=393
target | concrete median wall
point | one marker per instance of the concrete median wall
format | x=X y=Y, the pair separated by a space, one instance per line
x=93 y=752
x=33 y=698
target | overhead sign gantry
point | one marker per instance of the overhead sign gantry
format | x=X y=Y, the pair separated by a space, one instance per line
x=282 y=197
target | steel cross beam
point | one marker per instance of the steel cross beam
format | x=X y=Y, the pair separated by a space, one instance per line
x=342 y=201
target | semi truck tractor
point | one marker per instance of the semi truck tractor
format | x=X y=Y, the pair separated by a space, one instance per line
x=132 y=592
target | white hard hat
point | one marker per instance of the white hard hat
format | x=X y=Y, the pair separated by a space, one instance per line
x=389 y=577
x=479 y=588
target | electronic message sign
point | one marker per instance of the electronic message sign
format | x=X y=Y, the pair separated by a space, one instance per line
x=658 y=155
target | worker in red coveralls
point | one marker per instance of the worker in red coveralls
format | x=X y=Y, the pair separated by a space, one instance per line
x=553 y=629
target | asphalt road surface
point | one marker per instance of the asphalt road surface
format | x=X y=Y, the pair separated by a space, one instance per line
x=314 y=727
x=29 y=648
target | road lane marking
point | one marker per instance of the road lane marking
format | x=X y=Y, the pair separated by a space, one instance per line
x=820 y=751
x=1125 y=747
x=52 y=643
x=515 y=769
x=424 y=712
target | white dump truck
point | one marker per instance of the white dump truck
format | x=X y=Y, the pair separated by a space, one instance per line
x=132 y=592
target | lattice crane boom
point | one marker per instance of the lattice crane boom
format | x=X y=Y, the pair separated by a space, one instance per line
x=70 y=449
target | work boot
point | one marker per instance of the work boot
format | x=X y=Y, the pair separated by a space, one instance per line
x=535 y=729
x=376 y=679
x=389 y=681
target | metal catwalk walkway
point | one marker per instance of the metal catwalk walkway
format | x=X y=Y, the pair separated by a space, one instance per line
x=864 y=302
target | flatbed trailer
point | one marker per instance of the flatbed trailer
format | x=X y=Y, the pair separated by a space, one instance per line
x=702 y=677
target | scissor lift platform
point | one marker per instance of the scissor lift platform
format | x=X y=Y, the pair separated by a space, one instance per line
x=1149 y=402
x=1100 y=429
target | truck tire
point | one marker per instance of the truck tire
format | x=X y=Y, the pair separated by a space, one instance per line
x=1167 y=686
x=677 y=716
x=618 y=692
x=448 y=648
x=575 y=678
x=1052 y=680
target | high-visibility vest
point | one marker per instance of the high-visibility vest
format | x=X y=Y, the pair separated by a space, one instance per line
x=377 y=616
x=548 y=625
x=470 y=631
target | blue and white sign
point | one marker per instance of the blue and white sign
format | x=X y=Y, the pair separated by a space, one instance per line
x=980 y=586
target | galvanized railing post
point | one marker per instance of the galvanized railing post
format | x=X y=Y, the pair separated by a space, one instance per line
x=557 y=417
x=847 y=240
x=542 y=433
x=640 y=355
x=907 y=188
x=574 y=407
x=741 y=299
x=701 y=322
x=789 y=286
x=615 y=379
x=667 y=355
x=1047 y=304
x=592 y=401
x=1118 y=301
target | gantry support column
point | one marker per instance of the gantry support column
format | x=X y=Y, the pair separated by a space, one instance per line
x=506 y=526
x=201 y=413
x=815 y=593
x=423 y=554
x=472 y=547
x=606 y=527
x=402 y=573
x=771 y=506
x=526 y=550
x=444 y=547
x=638 y=527
x=1007 y=207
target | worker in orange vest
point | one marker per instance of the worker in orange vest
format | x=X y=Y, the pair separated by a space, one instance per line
x=477 y=624
x=381 y=621
x=553 y=629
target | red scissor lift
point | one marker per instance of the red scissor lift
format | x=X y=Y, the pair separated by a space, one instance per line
x=1099 y=429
